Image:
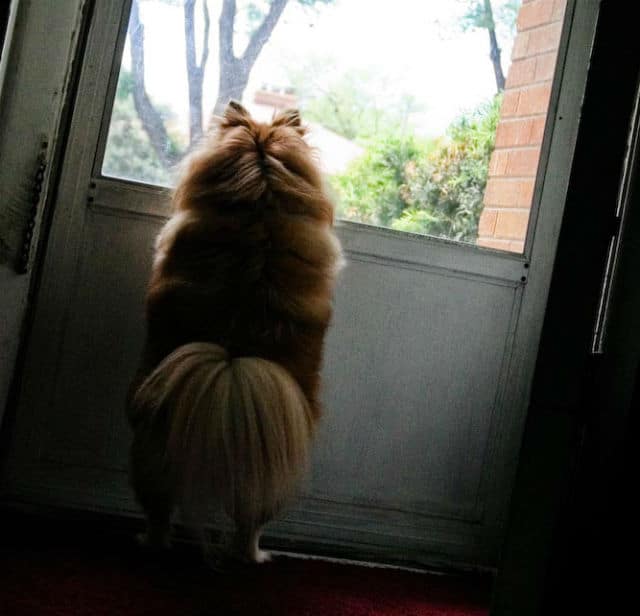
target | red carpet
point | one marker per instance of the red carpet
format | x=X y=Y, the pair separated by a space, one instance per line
x=54 y=574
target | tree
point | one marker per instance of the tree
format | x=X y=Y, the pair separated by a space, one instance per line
x=129 y=153
x=432 y=187
x=195 y=70
x=234 y=71
x=480 y=14
x=151 y=119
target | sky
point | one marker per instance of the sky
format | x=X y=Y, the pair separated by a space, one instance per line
x=415 y=47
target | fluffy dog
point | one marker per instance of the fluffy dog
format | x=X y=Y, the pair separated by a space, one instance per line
x=225 y=401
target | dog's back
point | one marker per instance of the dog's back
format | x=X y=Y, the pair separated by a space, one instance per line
x=224 y=404
x=248 y=260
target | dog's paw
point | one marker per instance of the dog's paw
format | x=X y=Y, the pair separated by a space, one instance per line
x=260 y=557
x=227 y=560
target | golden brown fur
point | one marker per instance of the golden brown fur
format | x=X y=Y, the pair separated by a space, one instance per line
x=225 y=401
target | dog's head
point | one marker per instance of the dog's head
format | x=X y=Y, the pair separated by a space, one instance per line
x=235 y=115
x=245 y=162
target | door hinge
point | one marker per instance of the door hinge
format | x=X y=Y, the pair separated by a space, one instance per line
x=24 y=258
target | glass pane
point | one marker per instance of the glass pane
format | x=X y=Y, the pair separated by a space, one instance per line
x=427 y=116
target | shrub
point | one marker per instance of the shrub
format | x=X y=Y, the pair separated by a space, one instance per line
x=432 y=187
x=370 y=190
x=448 y=185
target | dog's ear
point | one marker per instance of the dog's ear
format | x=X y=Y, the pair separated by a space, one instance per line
x=235 y=115
x=290 y=118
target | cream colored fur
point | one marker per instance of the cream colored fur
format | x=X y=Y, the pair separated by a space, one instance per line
x=237 y=433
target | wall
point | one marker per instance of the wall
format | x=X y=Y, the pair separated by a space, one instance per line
x=514 y=163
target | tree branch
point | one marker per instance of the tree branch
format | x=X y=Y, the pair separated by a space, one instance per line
x=226 y=24
x=262 y=34
x=189 y=36
x=148 y=114
x=234 y=71
x=195 y=72
x=493 y=44
x=205 y=42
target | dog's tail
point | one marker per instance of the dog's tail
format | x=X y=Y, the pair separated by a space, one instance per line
x=237 y=431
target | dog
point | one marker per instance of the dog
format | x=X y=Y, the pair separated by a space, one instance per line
x=225 y=402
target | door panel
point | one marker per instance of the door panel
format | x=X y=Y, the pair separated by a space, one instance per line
x=108 y=329
x=411 y=387
x=427 y=368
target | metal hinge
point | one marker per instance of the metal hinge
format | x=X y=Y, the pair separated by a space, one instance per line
x=24 y=258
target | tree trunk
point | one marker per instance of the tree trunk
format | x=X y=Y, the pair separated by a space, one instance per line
x=493 y=42
x=195 y=71
x=231 y=86
x=149 y=116
x=234 y=71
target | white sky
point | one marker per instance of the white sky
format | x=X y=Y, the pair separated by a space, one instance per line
x=418 y=43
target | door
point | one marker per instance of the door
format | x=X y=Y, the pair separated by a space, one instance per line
x=432 y=347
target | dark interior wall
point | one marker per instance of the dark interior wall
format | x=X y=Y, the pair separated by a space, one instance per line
x=4 y=20
x=572 y=518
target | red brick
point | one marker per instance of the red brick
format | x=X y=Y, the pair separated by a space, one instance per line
x=512 y=224
x=519 y=132
x=523 y=162
x=535 y=14
x=489 y=242
x=498 y=163
x=513 y=132
x=544 y=38
x=537 y=129
x=534 y=99
x=545 y=65
x=509 y=103
x=520 y=46
x=487 y=223
x=507 y=192
x=525 y=193
x=501 y=193
x=521 y=72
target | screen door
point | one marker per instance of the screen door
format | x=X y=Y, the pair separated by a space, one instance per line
x=445 y=132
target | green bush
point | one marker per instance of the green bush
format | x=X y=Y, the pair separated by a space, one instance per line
x=433 y=187
x=371 y=189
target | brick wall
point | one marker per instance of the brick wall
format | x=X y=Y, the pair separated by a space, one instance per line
x=514 y=163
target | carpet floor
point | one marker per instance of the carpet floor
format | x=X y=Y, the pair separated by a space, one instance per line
x=54 y=572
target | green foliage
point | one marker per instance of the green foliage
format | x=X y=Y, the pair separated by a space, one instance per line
x=129 y=153
x=357 y=103
x=433 y=188
x=502 y=17
x=346 y=107
x=370 y=190
x=449 y=184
